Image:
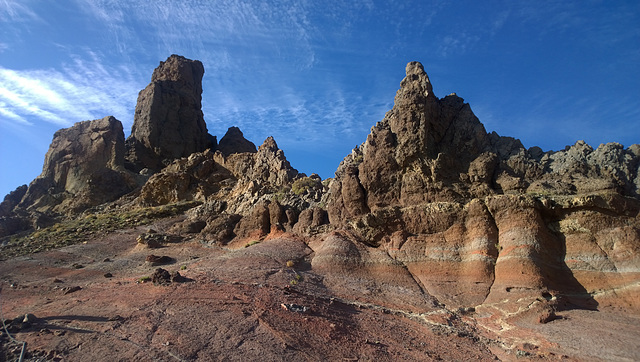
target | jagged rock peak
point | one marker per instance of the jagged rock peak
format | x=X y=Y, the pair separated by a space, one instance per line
x=270 y=144
x=179 y=69
x=234 y=142
x=168 y=121
x=415 y=84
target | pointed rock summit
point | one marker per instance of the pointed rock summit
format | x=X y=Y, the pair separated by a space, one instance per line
x=430 y=149
x=168 y=121
x=234 y=142
x=452 y=202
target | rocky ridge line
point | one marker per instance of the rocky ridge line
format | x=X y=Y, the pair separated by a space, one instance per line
x=473 y=218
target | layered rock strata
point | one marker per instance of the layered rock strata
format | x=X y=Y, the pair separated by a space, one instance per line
x=477 y=218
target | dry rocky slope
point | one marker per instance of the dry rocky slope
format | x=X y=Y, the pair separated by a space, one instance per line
x=430 y=215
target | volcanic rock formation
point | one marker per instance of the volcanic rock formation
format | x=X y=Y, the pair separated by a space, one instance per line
x=477 y=218
x=84 y=167
x=245 y=193
x=168 y=122
x=234 y=142
x=430 y=213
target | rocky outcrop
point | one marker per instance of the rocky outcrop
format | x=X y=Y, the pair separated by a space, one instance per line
x=478 y=219
x=11 y=200
x=428 y=150
x=234 y=142
x=196 y=177
x=84 y=167
x=245 y=195
x=168 y=122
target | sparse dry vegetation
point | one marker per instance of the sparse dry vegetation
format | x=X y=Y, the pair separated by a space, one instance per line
x=254 y=242
x=76 y=231
x=301 y=185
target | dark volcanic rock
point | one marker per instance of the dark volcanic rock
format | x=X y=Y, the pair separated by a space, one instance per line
x=159 y=260
x=11 y=200
x=428 y=149
x=168 y=122
x=234 y=142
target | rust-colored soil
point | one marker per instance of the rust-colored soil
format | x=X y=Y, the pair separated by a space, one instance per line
x=247 y=304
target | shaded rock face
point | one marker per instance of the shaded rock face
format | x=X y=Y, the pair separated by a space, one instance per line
x=11 y=200
x=234 y=142
x=477 y=218
x=168 y=122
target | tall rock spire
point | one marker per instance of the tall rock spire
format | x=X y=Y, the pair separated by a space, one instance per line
x=168 y=121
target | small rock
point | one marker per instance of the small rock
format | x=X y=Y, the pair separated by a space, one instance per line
x=108 y=275
x=159 y=260
x=161 y=276
x=547 y=316
x=69 y=290
x=77 y=266
x=295 y=308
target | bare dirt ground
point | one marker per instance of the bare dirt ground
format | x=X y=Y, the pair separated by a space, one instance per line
x=90 y=302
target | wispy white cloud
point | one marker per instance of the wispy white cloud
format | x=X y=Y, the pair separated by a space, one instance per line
x=17 y=11
x=457 y=44
x=84 y=89
x=210 y=31
x=300 y=120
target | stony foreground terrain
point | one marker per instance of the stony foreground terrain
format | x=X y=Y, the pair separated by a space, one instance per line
x=230 y=307
x=435 y=241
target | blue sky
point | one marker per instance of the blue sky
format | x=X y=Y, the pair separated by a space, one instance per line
x=317 y=75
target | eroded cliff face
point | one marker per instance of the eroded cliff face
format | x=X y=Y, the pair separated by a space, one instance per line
x=478 y=219
x=168 y=122
x=84 y=167
x=80 y=153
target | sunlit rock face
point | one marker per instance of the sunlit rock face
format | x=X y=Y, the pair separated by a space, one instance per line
x=168 y=121
x=477 y=218
x=84 y=167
